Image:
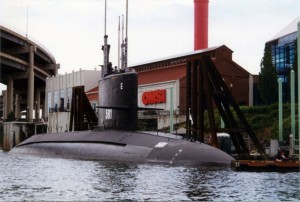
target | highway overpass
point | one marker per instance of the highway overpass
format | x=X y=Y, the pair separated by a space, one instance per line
x=24 y=67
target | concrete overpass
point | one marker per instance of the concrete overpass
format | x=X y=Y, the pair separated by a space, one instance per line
x=24 y=67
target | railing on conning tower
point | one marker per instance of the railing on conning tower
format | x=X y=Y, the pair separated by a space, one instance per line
x=30 y=38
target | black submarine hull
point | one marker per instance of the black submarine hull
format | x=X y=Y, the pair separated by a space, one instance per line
x=123 y=146
x=117 y=138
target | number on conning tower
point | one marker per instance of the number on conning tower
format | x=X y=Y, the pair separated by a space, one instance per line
x=108 y=114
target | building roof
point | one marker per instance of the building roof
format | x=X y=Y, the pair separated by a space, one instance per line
x=290 y=28
x=161 y=75
x=178 y=56
x=92 y=94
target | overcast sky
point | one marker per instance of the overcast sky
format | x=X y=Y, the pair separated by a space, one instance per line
x=72 y=30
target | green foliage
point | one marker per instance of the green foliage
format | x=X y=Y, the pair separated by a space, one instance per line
x=11 y=116
x=268 y=78
x=264 y=120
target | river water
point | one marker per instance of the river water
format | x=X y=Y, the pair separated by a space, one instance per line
x=34 y=178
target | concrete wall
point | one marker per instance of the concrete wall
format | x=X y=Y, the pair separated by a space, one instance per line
x=58 y=122
x=14 y=133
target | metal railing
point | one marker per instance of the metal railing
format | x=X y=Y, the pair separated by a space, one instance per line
x=176 y=112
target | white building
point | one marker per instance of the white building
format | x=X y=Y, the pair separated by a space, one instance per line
x=59 y=95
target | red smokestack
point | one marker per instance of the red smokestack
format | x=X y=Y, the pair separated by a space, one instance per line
x=201 y=24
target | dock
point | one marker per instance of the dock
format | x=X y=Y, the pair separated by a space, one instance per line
x=266 y=165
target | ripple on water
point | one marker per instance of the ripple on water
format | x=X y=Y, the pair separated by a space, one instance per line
x=35 y=179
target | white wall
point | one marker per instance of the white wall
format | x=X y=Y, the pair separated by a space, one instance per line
x=64 y=83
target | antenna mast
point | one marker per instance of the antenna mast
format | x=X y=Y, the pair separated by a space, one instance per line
x=119 y=44
x=106 y=69
x=124 y=46
x=126 y=38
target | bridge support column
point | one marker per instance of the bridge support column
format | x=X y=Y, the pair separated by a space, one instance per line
x=37 y=103
x=4 y=104
x=42 y=105
x=17 y=106
x=30 y=87
x=10 y=97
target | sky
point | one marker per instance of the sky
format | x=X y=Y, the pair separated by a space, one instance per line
x=73 y=30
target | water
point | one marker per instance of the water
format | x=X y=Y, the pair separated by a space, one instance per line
x=35 y=179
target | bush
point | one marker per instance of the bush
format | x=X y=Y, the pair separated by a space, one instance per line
x=264 y=120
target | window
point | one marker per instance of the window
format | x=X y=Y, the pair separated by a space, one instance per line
x=55 y=100
x=62 y=100
x=69 y=98
x=62 y=93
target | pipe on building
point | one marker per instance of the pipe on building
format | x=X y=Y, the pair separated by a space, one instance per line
x=200 y=24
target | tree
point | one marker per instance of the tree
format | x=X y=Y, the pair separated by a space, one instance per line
x=10 y=116
x=268 y=86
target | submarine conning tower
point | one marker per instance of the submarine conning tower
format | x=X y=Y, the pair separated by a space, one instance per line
x=118 y=99
x=118 y=102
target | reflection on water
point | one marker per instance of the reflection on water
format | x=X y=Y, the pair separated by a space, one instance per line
x=33 y=178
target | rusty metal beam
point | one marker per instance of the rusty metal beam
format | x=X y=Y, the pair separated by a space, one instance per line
x=188 y=100
x=200 y=102
x=206 y=89
x=209 y=103
x=194 y=95
x=227 y=101
x=80 y=109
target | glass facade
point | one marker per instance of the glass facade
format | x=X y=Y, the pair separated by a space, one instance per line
x=283 y=52
x=283 y=58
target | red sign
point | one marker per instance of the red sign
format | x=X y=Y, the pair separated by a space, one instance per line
x=154 y=97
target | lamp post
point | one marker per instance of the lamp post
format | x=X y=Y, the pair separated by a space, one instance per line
x=298 y=58
x=280 y=109
x=293 y=119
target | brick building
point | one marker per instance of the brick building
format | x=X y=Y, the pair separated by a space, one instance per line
x=169 y=74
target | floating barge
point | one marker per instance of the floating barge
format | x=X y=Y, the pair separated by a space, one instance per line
x=266 y=165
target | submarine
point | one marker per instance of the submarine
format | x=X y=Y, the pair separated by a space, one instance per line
x=116 y=138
